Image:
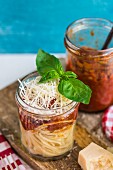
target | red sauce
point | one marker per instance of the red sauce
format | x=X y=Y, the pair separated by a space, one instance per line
x=31 y=121
x=95 y=70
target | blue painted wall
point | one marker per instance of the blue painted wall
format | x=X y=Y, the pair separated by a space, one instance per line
x=26 y=25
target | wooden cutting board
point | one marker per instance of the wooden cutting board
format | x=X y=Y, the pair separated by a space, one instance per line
x=88 y=129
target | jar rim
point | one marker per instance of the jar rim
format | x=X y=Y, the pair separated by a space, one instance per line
x=35 y=110
x=72 y=46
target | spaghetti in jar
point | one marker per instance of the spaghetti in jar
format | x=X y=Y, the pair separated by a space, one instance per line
x=47 y=119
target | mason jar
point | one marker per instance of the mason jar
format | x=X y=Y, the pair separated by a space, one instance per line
x=47 y=134
x=84 y=40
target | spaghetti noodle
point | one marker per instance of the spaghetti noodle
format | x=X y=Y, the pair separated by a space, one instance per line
x=43 y=142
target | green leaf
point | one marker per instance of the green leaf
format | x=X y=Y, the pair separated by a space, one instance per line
x=75 y=90
x=49 y=67
x=46 y=63
x=70 y=74
x=49 y=76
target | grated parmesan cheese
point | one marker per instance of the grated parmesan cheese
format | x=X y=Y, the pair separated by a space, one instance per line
x=42 y=95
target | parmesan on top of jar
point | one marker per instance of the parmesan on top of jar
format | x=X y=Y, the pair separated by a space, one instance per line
x=43 y=95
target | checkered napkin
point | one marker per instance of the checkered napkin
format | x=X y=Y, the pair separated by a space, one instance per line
x=107 y=123
x=7 y=156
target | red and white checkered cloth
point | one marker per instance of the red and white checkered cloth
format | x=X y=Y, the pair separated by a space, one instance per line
x=6 y=150
x=107 y=123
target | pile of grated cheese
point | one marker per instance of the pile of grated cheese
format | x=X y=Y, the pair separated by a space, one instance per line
x=42 y=95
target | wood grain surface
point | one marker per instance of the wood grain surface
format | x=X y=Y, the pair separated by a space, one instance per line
x=88 y=129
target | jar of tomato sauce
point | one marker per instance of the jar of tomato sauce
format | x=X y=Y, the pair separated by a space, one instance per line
x=83 y=41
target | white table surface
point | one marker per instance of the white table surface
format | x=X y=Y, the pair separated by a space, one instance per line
x=14 y=66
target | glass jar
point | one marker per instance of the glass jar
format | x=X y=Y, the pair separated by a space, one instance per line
x=83 y=41
x=47 y=134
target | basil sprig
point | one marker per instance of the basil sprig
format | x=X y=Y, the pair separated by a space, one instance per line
x=49 y=67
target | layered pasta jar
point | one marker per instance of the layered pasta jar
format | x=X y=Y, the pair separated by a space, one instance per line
x=47 y=119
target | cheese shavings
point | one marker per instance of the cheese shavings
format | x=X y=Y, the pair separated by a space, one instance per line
x=42 y=95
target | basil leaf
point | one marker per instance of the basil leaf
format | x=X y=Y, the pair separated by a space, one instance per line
x=46 y=63
x=49 y=76
x=70 y=74
x=49 y=67
x=75 y=90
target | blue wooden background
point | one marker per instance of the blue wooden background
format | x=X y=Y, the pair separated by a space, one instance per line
x=26 y=25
